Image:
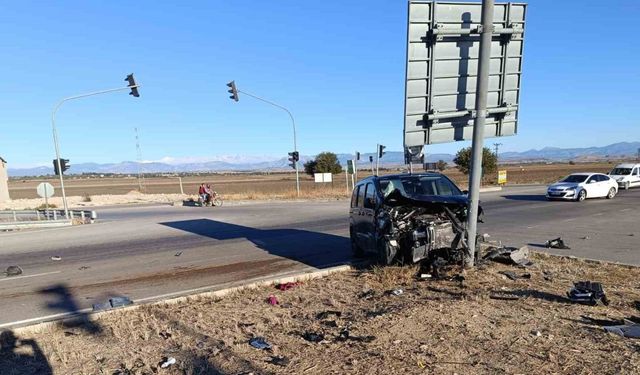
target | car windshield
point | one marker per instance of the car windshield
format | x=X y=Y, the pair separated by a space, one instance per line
x=621 y=171
x=419 y=185
x=575 y=178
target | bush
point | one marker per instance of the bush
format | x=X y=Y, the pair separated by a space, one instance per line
x=441 y=165
x=489 y=161
x=44 y=206
x=86 y=198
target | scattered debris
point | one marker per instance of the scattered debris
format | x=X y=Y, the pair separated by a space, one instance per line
x=557 y=243
x=70 y=333
x=345 y=335
x=286 y=286
x=279 y=360
x=586 y=238
x=178 y=253
x=168 y=362
x=325 y=314
x=628 y=329
x=424 y=276
x=367 y=294
x=485 y=237
x=509 y=255
x=112 y=303
x=396 y=292
x=536 y=333
x=313 y=337
x=503 y=297
x=83 y=268
x=13 y=271
x=120 y=301
x=513 y=276
x=272 y=300
x=260 y=343
x=588 y=292
x=547 y=275
x=165 y=335
x=56 y=257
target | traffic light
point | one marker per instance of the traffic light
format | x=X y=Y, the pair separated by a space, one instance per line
x=358 y=155
x=370 y=158
x=381 y=151
x=132 y=85
x=64 y=164
x=233 y=90
x=294 y=157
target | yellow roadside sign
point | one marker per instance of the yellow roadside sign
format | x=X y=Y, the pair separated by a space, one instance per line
x=502 y=177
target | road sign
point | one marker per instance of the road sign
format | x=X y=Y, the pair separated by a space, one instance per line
x=45 y=190
x=350 y=168
x=502 y=177
x=323 y=177
x=443 y=41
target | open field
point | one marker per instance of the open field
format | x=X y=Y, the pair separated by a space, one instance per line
x=435 y=327
x=262 y=186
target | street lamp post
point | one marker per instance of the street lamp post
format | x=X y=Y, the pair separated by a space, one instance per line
x=134 y=92
x=234 y=92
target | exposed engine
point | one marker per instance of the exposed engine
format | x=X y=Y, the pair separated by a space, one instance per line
x=415 y=230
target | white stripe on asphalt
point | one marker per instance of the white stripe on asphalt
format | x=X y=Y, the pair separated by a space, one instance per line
x=27 y=276
x=46 y=318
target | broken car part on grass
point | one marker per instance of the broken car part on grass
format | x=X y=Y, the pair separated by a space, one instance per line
x=558 y=243
x=509 y=255
x=587 y=292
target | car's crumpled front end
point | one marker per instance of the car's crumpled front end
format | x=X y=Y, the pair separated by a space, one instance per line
x=418 y=227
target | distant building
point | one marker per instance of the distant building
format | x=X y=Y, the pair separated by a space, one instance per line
x=4 y=181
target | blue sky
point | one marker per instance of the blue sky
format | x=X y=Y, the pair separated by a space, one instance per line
x=337 y=65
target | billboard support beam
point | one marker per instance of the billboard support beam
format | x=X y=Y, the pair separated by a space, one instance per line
x=478 y=129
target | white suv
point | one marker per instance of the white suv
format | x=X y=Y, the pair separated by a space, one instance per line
x=626 y=175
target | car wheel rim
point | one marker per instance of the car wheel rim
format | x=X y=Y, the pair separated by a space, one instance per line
x=612 y=193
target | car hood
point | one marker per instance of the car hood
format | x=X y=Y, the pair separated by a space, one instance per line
x=619 y=176
x=560 y=185
x=395 y=198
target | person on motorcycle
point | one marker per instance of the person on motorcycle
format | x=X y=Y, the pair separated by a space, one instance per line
x=210 y=193
x=202 y=192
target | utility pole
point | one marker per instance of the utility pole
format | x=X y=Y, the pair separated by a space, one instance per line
x=478 y=128
x=134 y=91
x=233 y=90
x=496 y=146
x=139 y=157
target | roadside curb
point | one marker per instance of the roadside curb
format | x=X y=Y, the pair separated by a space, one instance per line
x=184 y=296
x=490 y=189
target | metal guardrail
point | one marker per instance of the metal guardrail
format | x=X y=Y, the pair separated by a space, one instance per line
x=18 y=219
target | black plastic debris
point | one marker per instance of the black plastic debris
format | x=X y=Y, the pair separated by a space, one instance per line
x=313 y=337
x=628 y=329
x=13 y=271
x=325 y=314
x=503 y=297
x=367 y=294
x=589 y=293
x=514 y=276
x=178 y=253
x=509 y=255
x=547 y=275
x=120 y=301
x=346 y=335
x=101 y=306
x=557 y=243
x=259 y=343
x=279 y=360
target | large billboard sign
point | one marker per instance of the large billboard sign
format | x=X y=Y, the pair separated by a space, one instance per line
x=443 y=41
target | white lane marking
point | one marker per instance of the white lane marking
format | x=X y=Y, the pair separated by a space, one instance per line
x=27 y=276
x=598 y=214
x=626 y=209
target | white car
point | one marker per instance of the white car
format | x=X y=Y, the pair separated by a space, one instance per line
x=627 y=175
x=580 y=186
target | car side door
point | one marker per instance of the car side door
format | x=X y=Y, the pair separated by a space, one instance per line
x=635 y=177
x=603 y=185
x=368 y=216
x=356 y=215
x=591 y=186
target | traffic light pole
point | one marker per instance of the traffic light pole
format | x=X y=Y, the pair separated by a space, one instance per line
x=478 y=128
x=293 y=122
x=55 y=136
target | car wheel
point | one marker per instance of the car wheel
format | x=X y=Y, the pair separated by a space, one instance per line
x=626 y=185
x=355 y=249
x=582 y=195
x=386 y=252
x=612 y=193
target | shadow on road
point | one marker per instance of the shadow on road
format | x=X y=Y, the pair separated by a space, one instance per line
x=526 y=197
x=311 y=248
x=65 y=302
x=21 y=356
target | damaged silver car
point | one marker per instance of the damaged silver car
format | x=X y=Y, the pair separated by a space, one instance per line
x=408 y=218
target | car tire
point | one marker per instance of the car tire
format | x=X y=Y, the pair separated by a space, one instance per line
x=386 y=253
x=355 y=249
x=582 y=195
x=612 y=193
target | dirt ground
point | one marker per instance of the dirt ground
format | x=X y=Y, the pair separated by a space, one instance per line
x=433 y=327
x=246 y=186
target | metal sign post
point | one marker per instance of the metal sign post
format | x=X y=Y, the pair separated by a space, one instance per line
x=478 y=129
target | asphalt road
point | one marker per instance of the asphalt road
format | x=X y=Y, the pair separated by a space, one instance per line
x=154 y=252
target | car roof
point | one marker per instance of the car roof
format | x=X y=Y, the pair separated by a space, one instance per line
x=398 y=175
x=583 y=173
x=626 y=165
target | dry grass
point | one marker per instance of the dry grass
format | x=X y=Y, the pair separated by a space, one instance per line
x=435 y=327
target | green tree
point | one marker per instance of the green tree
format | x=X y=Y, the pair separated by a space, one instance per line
x=489 y=161
x=441 y=165
x=310 y=167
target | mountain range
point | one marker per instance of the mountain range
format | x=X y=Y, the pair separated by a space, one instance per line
x=391 y=158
